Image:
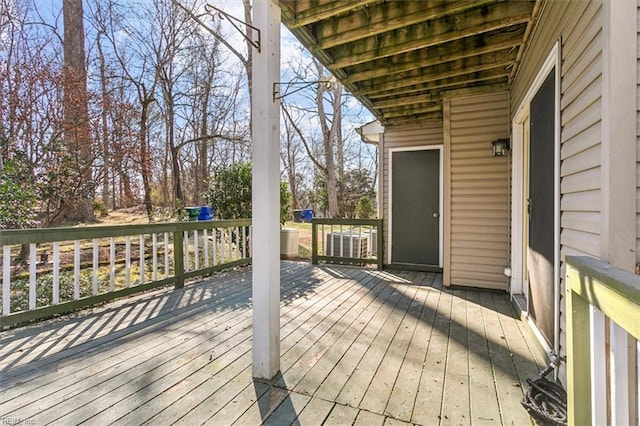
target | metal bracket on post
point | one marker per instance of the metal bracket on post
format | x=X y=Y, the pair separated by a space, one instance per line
x=328 y=83
x=222 y=14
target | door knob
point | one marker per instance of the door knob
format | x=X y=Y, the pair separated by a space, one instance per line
x=436 y=215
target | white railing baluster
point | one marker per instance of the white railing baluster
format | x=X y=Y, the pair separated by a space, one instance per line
x=196 y=249
x=244 y=242
x=205 y=247
x=112 y=264
x=127 y=261
x=76 y=270
x=141 y=260
x=32 y=276
x=185 y=239
x=154 y=243
x=619 y=374
x=223 y=236
x=79 y=262
x=215 y=247
x=6 y=280
x=166 y=254
x=56 y=272
x=250 y=240
x=236 y=231
x=96 y=261
x=598 y=366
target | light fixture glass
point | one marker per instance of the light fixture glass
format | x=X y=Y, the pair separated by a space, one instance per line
x=499 y=147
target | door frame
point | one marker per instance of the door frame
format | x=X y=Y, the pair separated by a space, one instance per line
x=519 y=225
x=440 y=148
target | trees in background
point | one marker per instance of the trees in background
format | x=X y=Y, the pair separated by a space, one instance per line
x=127 y=104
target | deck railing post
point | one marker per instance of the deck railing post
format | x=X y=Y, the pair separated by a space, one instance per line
x=178 y=255
x=379 y=244
x=314 y=242
x=578 y=351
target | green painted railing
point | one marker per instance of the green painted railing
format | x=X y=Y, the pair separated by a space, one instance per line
x=347 y=241
x=616 y=294
x=72 y=268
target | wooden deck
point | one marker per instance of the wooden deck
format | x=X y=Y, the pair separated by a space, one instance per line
x=358 y=346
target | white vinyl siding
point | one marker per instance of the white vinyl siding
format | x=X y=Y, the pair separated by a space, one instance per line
x=479 y=193
x=428 y=133
x=579 y=26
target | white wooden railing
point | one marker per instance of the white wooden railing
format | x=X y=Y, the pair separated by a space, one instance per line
x=603 y=354
x=347 y=241
x=69 y=268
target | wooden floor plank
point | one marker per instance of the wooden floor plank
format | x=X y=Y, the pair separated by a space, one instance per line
x=455 y=404
x=314 y=413
x=260 y=410
x=427 y=409
x=393 y=342
x=134 y=363
x=344 y=367
x=330 y=325
x=379 y=392
x=403 y=396
x=483 y=397
x=367 y=418
x=201 y=387
x=341 y=415
x=235 y=408
x=359 y=316
x=359 y=381
x=505 y=374
x=288 y=410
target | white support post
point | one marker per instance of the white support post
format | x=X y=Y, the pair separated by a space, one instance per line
x=266 y=192
x=619 y=109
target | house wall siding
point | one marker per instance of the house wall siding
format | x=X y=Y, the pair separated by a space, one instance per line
x=638 y=141
x=579 y=27
x=428 y=133
x=479 y=192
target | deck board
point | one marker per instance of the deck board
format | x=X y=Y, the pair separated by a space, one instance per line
x=357 y=346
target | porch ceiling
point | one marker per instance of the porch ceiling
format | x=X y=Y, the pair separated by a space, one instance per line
x=401 y=58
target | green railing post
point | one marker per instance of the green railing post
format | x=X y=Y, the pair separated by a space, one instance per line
x=178 y=255
x=578 y=351
x=380 y=245
x=314 y=242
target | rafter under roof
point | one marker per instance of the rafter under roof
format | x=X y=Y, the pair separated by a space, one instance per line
x=401 y=58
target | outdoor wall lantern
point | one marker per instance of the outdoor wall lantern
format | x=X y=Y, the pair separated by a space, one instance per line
x=500 y=147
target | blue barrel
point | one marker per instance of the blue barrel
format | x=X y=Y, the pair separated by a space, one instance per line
x=206 y=213
x=307 y=215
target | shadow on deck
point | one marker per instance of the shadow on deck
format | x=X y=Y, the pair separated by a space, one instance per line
x=358 y=346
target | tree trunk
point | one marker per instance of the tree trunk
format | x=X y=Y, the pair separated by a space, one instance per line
x=76 y=115
x=145 y=158
x=106 y=106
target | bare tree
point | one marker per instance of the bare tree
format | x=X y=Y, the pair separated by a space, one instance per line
x=76 y=114
x=330 y=122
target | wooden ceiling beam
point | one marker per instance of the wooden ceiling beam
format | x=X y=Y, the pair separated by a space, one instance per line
x=435 y=95
x=413 y=119
x=387 y=16
x=310 y=12
x=464 y=66
x=433 y=55
x=419 y=36
x=414 y=110
x=438 y=86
